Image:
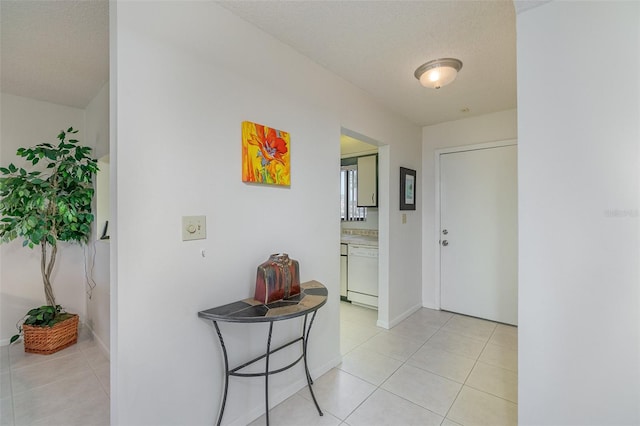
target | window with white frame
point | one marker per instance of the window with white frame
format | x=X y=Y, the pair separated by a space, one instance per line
x=349 y=210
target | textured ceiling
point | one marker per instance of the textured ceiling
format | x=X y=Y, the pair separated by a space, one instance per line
x=377 y=45
x=55 y=51
x=58 y=50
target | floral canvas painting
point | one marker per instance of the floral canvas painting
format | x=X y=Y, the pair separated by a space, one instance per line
x=265 y=155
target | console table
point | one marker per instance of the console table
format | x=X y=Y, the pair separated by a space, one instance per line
x=312 y=297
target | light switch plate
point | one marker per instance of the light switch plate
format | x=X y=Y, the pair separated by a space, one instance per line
x=194 y=228
x=404 y=218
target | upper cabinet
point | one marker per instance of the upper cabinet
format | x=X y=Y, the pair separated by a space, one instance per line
x=368 y=181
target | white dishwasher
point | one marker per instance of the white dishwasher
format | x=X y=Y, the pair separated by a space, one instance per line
x=363 y=275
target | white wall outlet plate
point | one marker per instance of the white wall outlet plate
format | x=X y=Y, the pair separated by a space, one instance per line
x=194 y=228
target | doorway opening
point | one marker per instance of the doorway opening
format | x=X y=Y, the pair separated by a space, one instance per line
x=364 y=232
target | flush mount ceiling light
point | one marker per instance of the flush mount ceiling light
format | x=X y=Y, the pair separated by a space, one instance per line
x=438 y=73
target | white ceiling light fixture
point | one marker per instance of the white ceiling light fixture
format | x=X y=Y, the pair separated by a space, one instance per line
x=439 y=72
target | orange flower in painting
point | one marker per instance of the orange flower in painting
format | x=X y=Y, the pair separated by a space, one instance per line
x=271 y=146
x=265 y=154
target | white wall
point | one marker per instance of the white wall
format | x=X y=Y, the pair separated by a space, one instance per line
x=97 y=134
x=498 y=126
x=578 y=138
x=26 y=122
x=181 y=92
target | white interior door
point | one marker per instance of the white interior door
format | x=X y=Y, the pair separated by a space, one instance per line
x=479 y=233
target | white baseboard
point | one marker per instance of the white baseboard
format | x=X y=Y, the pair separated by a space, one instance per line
x=397 y=320
x=103 y=348
x=383 y=324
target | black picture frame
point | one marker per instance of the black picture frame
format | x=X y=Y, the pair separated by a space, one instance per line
x=407 y=189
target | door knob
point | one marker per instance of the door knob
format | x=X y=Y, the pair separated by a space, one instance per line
x=445 y=232
x=445 y=243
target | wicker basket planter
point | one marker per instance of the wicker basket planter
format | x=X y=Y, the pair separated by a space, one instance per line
x=48 y=340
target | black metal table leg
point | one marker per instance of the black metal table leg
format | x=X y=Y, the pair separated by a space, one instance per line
x=305 y=341
x=303 y=338
x=247 y=311
x=266 y=374
x=226 y=374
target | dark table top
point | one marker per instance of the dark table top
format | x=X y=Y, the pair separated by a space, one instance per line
x=312 y=296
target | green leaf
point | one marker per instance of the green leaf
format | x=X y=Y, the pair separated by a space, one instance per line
x=14 y=338
x=44 y=207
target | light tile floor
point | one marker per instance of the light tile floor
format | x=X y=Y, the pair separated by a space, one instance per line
x=434 y=368
x=70 y=387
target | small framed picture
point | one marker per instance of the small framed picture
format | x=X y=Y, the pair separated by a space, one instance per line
x=407 y=189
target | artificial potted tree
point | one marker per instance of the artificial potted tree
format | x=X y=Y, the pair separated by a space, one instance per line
x=43 y=206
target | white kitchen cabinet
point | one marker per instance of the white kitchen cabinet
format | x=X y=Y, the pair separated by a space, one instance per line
x=368 y=181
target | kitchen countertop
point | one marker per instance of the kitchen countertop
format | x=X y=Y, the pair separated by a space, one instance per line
x=364 y=240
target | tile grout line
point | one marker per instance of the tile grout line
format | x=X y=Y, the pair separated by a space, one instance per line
x=359 y=378
x=476 y=360
x=492 y=394
x=13 y=393
x=360 y=344
x=95 y=373
x=13 y=404
x=459 y=390
x=10 y=371
x=379 y=387
x=495 y=366
x=79 y=352
x=471 y=370
x=485 y=343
